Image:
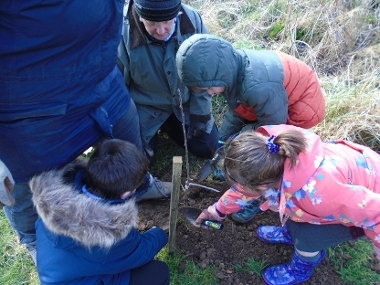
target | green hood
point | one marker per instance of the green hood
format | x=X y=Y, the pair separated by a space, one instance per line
x=208 y=61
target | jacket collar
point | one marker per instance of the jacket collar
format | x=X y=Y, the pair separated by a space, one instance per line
x=66 y=211
x=138 y=34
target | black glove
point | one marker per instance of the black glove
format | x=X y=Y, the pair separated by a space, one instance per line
x=196 y=129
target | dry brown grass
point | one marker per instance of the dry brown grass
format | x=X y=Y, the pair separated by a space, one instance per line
x=340 y=40
x=353 y=113
x=334 y=32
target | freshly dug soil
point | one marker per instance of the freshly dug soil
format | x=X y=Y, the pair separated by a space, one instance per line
x=229 y=247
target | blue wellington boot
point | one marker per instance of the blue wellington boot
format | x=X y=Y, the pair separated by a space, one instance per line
x=275 y=234
x=297 y=271
x=248 y=212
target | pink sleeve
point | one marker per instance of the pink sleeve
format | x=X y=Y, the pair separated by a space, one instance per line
x=233 y=201
x=350 y=205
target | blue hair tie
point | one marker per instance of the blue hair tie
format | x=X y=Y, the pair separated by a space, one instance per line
x=273 y=147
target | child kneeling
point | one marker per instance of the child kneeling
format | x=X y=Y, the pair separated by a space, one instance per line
x=86 y=231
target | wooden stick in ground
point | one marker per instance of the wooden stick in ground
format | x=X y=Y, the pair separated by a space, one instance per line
x=176 y=180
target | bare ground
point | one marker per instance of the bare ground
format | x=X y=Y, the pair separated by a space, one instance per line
x=227 y=250
x=230 y=247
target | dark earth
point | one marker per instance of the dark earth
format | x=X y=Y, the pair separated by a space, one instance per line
x=227 y=249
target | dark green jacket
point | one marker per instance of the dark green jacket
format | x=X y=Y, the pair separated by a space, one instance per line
x=252 y=78
x=262 y=87
x=150 y=73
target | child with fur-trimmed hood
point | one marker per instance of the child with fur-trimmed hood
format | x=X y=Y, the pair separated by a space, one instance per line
x=86 y=231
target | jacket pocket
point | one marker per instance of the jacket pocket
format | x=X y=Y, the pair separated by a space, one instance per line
x=11 y=113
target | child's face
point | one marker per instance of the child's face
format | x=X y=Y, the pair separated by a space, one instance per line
x=158 y=30
x=210 y=90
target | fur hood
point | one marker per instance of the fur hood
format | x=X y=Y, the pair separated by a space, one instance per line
x=66 y=211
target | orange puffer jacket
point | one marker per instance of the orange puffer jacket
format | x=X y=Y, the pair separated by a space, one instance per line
x=261 y=87
x=306 y=105
x=277 y=89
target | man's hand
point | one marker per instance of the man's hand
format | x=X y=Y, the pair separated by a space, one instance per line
x=6 y=186
x=196 y=129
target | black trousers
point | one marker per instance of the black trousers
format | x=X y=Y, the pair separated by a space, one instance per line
x=154 y=272
x=203 y=146
x=310 y=238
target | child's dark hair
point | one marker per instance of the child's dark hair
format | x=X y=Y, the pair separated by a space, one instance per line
x=115 y=167
x=249 y=161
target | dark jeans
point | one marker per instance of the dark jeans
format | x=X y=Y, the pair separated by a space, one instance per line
x=203 y=146
x=310 y=238
x=153 y=273
x=22 y=216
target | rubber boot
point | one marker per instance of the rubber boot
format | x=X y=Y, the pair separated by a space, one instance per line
x=275 y=234
x=248 y=212
x=297 y=271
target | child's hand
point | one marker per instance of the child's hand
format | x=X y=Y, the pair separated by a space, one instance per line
x=210 y=213
x=205 y=215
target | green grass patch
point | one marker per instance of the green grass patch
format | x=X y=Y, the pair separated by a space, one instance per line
x=184 y=271
x=16 y=266
x=252 y=265
x=353 y=262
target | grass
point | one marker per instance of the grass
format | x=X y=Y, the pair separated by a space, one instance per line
x=353 y=262
x=352 y=111
x=184 y=271
x=342 y=40
x=252 y=265
x=16 y=267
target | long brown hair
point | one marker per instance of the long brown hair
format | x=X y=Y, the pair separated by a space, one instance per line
x=249 y=161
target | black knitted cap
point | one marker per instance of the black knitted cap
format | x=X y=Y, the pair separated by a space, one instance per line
x=157 y=10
